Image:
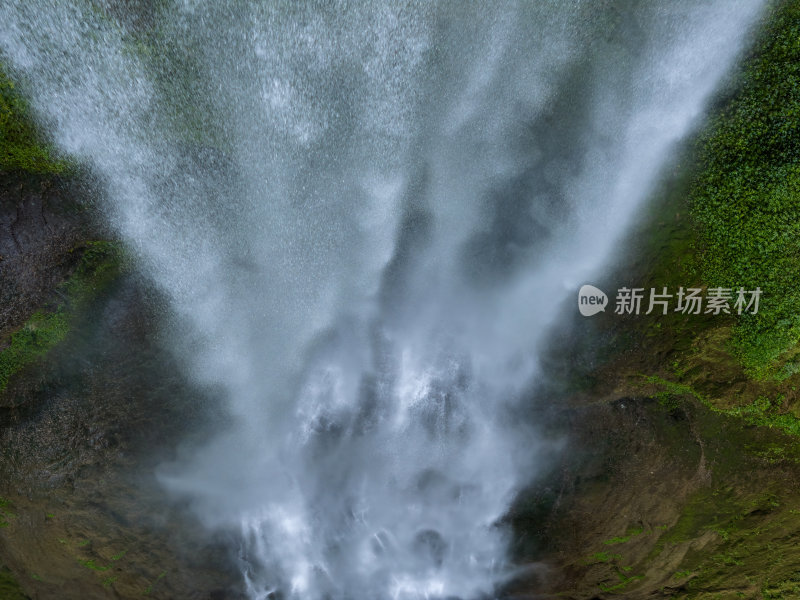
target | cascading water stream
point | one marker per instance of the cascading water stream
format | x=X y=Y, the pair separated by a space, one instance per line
x=366 y=217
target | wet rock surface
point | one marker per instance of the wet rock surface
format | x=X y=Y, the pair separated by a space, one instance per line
x=85 y=515
x=83 y=431
x=42 y=219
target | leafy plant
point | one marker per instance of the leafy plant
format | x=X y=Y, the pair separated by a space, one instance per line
x=746 y=198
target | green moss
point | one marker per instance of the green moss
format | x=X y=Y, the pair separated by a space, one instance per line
x=21 y=146
x=670 y=390
x=767 y=413
x=90 y=564
x=762 y=412
x=39 y=334
x=631 y=533
x=754 y=547
x=624 y=581
x=747 y=196
x=100 y=265
x=9 y=588
x=789 y=588
x=604 y=557
x=149 y=589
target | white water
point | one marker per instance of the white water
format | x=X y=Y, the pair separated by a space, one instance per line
x=366 y=218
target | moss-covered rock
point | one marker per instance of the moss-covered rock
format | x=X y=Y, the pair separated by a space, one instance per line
x=40 y=333
x=22 y=146
x=100 y=264
x=681 y=481
x=747 y=196
x=9 y=588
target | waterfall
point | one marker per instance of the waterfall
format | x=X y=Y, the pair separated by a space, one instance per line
x=365 y=217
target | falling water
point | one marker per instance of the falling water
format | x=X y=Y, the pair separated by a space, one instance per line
x=366 y=217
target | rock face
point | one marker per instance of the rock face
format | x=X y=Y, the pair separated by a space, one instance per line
x=86 y=516
x=84 y=428
x=41 y=221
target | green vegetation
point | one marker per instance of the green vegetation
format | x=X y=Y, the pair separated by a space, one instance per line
x=21 y=146
x=604 y=557
x=746 y=198
x=671 y=390
x=9 y=588
x=149 y=589
x=100 y=264
x=766 y=413
x=90 y=564
x=754 y=542
x=762 y=412
x=624 y=581
x=40 y=333
x=631 y=533
x=735 y=530
x=789 y=588
x=5 y=513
